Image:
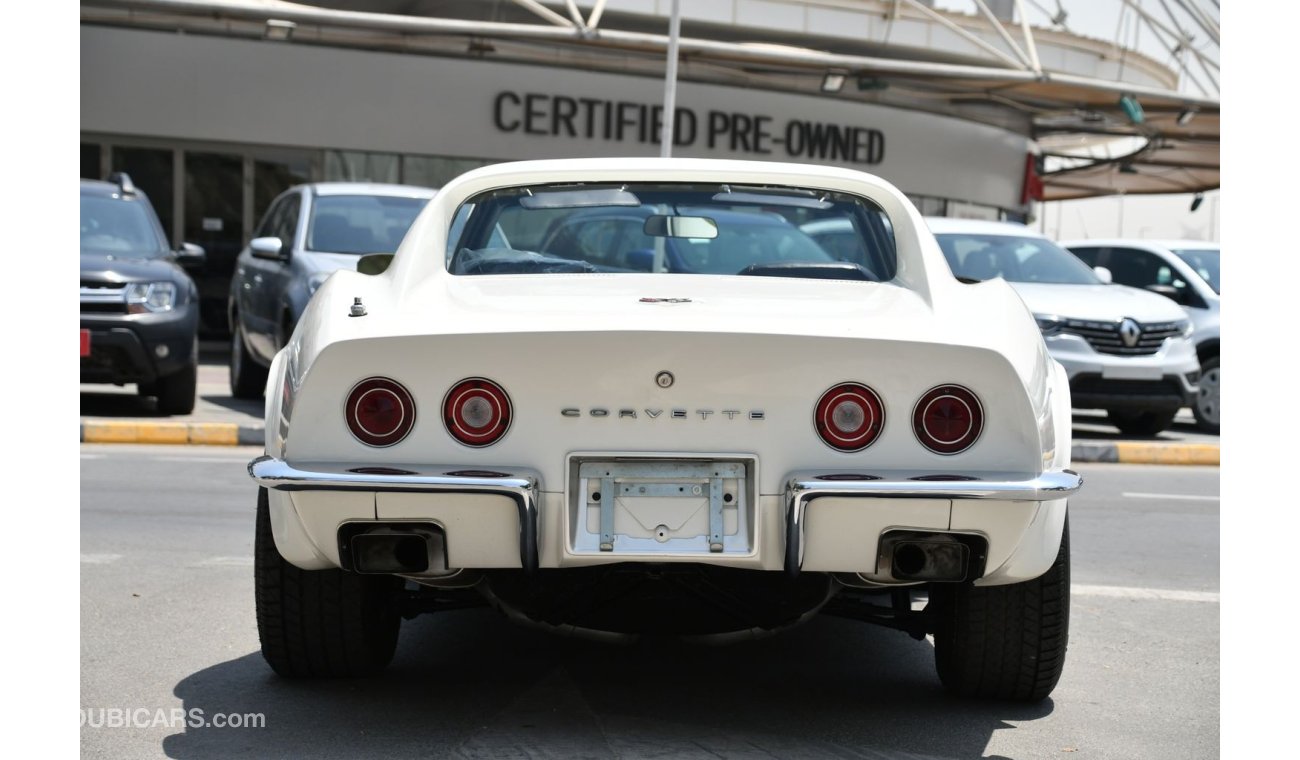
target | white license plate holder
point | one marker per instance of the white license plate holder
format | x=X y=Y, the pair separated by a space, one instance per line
x=662 y=506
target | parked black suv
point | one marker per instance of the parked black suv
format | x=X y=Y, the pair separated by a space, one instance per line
x=139 y=309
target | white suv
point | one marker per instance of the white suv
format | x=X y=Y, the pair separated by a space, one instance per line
x=1126 y=350
x=1186 y=271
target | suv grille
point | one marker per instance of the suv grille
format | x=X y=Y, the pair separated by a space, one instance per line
x=103 y=297
x=1104 y=337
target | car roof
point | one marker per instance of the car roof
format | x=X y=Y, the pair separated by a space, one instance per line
x=370 y=188
x=100 y=187
x=1164 y=245
x=943 y=224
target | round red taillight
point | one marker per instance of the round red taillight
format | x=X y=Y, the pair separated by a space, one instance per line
x=948 y=419
x=849 y=417
x=476 y=412
x=379 y=411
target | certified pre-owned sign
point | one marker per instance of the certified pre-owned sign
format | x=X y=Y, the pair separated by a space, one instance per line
x=751 y=133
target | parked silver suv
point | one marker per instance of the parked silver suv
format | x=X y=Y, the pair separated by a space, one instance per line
x=1185 y=271
x=308 y=233
x=1126 y=350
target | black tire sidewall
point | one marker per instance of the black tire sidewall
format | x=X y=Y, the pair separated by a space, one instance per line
x=1201 y=422
x=1030 y=649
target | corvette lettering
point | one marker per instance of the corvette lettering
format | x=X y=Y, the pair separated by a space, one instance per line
x=676 y=414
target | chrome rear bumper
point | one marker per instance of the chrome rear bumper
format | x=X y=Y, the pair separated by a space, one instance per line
x=522 y=487
x=802 y=488
x=518 y=484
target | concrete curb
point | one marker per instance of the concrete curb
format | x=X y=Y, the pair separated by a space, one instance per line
x=230 y=434
x=198 y=433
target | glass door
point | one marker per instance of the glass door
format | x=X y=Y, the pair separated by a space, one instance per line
x=214 y=219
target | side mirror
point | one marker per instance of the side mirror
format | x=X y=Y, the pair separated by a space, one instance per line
x=191 y=256
x=374 y=263
x=268 y=248
x=1104 y=275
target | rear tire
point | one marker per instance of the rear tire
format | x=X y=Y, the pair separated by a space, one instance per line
x=1005 y=642
x=1206 y=405
x=176 y=392
x=320 y=623
x=1143 y=424
x=247 y=377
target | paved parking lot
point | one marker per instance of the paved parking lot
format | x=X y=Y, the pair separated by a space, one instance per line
x=167 y=623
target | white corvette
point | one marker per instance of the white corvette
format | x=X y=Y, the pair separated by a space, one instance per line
x=631 y=396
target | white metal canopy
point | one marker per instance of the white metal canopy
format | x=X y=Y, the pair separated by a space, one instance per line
x=993 y=75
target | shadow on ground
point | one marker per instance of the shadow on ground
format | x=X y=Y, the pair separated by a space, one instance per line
x=470 y=685
x=1093 y=427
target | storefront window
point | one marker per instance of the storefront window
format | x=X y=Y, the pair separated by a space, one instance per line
x=357 y=166
x=214 y=218
x=436 y=171
x=90 y=153
x=270 y=178
x=929 y=206
x=151 y=171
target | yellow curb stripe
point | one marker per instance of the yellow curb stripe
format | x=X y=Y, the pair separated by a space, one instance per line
x=110 y=432
x=214 y=433
x=134 y=432
x=1163 y=453
x=207 y=433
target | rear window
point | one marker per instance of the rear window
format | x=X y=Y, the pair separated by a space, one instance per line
x=360 y=223
x=672 y=228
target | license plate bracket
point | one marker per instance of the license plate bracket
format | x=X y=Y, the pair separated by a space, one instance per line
x=659 y=506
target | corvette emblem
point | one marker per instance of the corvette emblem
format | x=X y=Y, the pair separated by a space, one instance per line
x=1129 y=332
x=601 y=412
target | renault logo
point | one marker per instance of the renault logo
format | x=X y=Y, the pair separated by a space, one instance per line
x=1129 y=332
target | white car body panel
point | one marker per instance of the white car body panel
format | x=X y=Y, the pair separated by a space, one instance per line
x=741 y=344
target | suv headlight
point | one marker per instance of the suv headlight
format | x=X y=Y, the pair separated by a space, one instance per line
x=150 y=297
x=1185 y=328
x=1050 y=324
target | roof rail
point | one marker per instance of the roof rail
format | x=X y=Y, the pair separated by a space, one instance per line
x=123 y=182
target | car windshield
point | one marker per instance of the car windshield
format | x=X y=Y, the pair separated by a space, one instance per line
x=119 y=226
x=360 y=224
x=1013 y=258
x=1205 y=261
x=669 y=228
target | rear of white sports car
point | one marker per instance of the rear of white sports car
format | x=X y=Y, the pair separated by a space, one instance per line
x=632 y=397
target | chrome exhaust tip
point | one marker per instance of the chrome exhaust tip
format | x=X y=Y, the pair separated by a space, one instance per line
x=392 y=549
x=925 y=556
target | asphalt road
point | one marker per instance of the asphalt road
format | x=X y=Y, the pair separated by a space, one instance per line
x=167 y=623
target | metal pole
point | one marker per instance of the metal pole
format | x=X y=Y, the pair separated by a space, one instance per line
x=931 y=13
x=1006 y=37
x=1030 y=47
x=670 y=83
